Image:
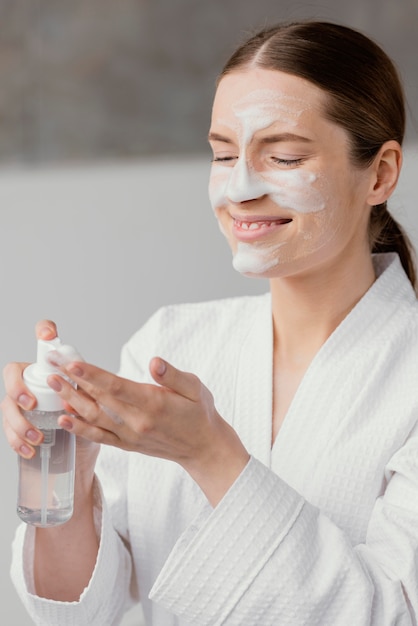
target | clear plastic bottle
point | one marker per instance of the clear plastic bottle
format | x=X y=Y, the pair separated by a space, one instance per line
x=46 y=481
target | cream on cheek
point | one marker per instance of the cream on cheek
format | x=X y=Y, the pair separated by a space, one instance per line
x=290 y=189
x=295 y=189
x=319 y=226
x=315 y=236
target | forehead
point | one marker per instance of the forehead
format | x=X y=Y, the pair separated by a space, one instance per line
x=251 y=92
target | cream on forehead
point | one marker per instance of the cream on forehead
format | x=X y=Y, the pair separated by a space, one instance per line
x=262 y=108
x=266 y=106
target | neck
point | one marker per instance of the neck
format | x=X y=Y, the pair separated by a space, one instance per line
x=308 y=308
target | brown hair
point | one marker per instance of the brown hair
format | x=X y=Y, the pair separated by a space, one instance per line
x=365 y=97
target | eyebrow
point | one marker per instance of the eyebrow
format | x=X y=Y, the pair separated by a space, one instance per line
x=285 y=137
x=217 y=137
x=278 y=138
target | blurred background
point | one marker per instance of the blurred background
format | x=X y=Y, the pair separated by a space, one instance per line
x=122 y=79
x=104 y=215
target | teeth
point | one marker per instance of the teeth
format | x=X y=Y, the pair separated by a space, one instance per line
x=252 y=225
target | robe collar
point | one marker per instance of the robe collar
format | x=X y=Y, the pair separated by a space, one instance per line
x=325 y=377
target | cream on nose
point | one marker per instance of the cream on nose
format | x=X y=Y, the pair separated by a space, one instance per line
x=244 y=184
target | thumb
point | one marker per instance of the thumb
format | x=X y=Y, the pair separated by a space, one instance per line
x=46 y=329
x=183 y=383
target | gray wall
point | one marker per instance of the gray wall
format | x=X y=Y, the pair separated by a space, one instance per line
x=104 y=214
x=102 y=79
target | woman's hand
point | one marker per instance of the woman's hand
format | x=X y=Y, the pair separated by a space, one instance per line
x=20 y=433
x=58 y=573
x=175 y=419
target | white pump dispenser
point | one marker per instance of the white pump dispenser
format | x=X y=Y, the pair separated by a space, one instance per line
x=46 y=481
x=36 y=374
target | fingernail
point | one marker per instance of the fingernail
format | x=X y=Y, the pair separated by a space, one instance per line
x=55 y=384
x=75 y=370
x=32 y=435
x=66 y=424
x=45 y=333
x=25 y=401
x=25 y=450
x=161 y=368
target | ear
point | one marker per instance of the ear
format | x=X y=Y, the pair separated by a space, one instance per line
x=386 y=169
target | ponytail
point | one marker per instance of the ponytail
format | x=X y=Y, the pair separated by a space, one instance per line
x=386 y=235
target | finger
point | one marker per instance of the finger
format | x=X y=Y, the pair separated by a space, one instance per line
x=15 y=387
x=82 y=405
x=46 y=329
x=87 y=418
x=74 y=400
x=20 y=433
x=114 y=397
x=182 y=383
x=102 y=386
x=77 y=426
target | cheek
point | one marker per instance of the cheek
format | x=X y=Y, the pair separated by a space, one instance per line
x=218 y=183
x=297 y=190
x=319 y=233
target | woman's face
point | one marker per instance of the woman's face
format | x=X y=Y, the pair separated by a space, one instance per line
x=282 y=186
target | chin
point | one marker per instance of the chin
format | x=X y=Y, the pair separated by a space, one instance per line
x=256 y=262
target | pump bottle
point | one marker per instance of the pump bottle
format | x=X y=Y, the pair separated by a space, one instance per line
x=46 y=481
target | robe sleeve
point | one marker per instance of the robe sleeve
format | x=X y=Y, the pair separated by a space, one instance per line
x=266 y=556
x=103 y=601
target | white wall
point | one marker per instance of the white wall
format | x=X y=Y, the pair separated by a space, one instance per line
x=98 y=249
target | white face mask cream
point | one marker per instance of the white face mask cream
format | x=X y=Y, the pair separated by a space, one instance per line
x=250 y=259
x=258 y=111
x=291 y=189
x=238 y=181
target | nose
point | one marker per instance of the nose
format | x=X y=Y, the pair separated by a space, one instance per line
x=244 y=183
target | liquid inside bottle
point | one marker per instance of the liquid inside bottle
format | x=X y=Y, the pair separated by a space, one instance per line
x=46 y=481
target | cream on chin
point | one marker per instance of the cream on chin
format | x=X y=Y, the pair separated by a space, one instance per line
x=252 y=259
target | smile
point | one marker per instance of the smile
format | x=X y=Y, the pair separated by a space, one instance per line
x=253 y=228
x=261 y=224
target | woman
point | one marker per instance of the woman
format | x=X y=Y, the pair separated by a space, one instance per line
x=293 y=495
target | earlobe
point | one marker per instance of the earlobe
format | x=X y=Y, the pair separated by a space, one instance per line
x=386 y=168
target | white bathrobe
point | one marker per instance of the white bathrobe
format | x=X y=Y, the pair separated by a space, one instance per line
x=321 y=529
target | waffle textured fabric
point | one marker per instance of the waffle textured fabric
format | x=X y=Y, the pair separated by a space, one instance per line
x=319 y=530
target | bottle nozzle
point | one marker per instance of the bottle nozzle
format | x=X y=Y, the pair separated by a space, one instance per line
x=36 y=374
x=43 y=366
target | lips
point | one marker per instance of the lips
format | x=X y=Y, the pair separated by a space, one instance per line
x=256 y=227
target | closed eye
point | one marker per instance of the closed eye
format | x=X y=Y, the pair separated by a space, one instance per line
x=223 y=159
x=288 y=162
